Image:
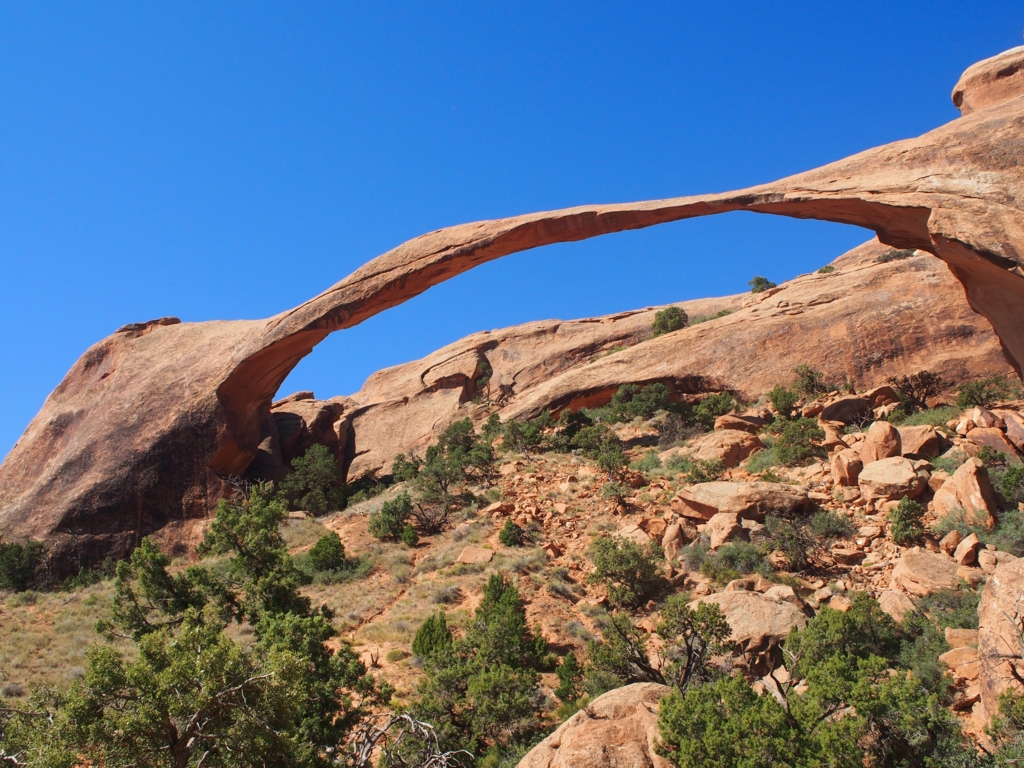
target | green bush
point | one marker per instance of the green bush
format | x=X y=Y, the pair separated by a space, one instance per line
x=699 y=471
x=315 y=483
x=783 y=400
x=668 y=320
x=648 y=462
x=526 y=436
x=511 y=535
x=405 y=468
x=328 y=554
x=763 y=461
x=704 y=318
x=760 y=284
x=20 y=565
x=738 y=558
x=933 y=417
x=570 y=678
x=809 y=381
x=633 y=401
x=827 y=524
x=710 y=408
x=433 y=636
x=985 y=392
x=905 y=522
x=409 y=536
x=390 y=521
x=629 y=572
x=827 y=269
x=916 y=389
x=896 y=254
x=956 y=608
x=797 y=443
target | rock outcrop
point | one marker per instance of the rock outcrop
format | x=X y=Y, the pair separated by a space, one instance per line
x=146 y=427
x=617 y=730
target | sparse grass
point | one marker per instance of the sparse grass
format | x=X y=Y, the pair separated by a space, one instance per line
x=933 y=417
x=705 y=318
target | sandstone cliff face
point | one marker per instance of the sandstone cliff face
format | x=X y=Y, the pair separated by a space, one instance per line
x=864 y=322
x=147 y=423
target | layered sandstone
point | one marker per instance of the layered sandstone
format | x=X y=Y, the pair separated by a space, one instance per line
x=147 y=425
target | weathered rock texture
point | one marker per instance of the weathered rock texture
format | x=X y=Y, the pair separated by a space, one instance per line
x=617 y=730
x=146 y=425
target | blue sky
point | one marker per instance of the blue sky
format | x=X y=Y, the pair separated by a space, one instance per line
x=230 y=160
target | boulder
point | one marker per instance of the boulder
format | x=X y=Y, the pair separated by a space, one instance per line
x=476 y=555
x=921 y=572
x=882 y=442
x=672 y=541
x=732 y=422
x=749 y=500
x=991 y=437
x=619 y=729
x=883 y=395
x=922 y=442
x=969 y=489
x=950 y=542
x=1014 y=426
x=758 y=621
x=730 y=446
x=635 y=533
x=722 y=528
x=895 y=603
x=961 y=638
x=890 y=480
x=966 y=552
x=846 y=466
x=985 y=419
x=846 y=409
x=1000 y=617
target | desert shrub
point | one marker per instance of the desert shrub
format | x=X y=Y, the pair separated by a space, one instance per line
x=479 y=691
x=760 y=284
x=648 y=462
x=389 y=522
x=783 y=400
x=447 y=595
x=458 y=455
x=933 y=417
x=591 y=440
x=827 y=524
x=704 y=318
x=405 y=468
x=738 y=558
x=568 y=426
x=433 y=636
x=526 y=436
x=315 y=483
x=628 y=571
x=633 y=401
x=956 y=608
x=763 y=461
x=916 y=389
x=328 y=554
x=851 y=711
x=511 y=535
x=612 y=460
x=797 y=443
x=21 y=565
x=984 y=392
x=905 y=522
x=896 y=254
x=1011 y=484
x=809 y=381
x=482 y=382
x=827 y=269
x=394 y=655
x=409 y=536
x=697 y=471
x=950 y=461
x=668 y=320
x=695 y=553
x=710 y=408
x=570 y=678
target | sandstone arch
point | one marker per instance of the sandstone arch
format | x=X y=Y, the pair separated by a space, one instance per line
x=138 y=435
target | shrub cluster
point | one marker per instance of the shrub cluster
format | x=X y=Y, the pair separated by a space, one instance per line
x=668 y=320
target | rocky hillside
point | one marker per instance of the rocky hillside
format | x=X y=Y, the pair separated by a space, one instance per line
x=862 y=321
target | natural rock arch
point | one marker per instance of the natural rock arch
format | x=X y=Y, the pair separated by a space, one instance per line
x=141 y=431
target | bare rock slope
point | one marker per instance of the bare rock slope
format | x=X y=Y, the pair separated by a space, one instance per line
x=146 y=425
x=863 y=322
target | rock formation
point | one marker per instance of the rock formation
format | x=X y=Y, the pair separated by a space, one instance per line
x=147 y=424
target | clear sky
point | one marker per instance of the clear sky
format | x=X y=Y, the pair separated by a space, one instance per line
x=230 y=160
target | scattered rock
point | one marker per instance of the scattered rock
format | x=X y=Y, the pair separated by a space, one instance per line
x=731 y=422
x=847 y=409
x=991 y=437
x=846 y=466
x=895 y=603
x=749 y=500
x=961 y=638
x=730 y=446
x=499 y=508
x=966 y=552
x=476 y=555
x=921 y=572
x=950 y=542
x=890 y=479
x=920 y=442
x=882 y=442
x=969 y=489
x=758 y=621
x=723 y=527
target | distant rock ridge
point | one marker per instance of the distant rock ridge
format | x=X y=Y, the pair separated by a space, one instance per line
x=145 y=427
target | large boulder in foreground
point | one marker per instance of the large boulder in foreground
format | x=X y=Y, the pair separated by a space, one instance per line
x=969 y=489
x=748 y=500
x=1000 y=627
x=758 y=621
x=148 y=427
x=619 y=729
x=921 y=572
